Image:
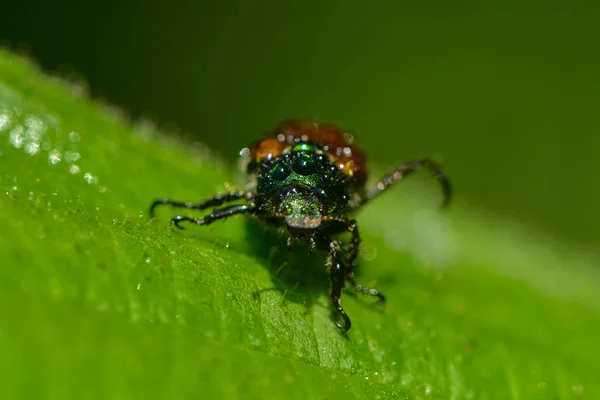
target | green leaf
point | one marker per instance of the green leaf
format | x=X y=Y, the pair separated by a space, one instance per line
x=100 y=301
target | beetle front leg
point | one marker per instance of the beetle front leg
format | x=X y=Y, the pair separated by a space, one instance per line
x=353 y=248
x=216 y=201
x=364 y=289
x=217 y=214
x=338 y=278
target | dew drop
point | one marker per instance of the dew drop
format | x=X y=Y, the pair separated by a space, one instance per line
x=135 y=315
x=34 y=129
x=542 y=386
x=577 y=388
x=368 y=252
x=72 y=156
x=74 y=169
x=5 y=121
x=32 y=148
x=54 y=157
x=148 y=259
x=90 y=179
x=74 y=137
x=15 y=137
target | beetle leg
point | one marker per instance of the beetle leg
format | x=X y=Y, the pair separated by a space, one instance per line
x=338 y=278
x=352 y=260
x=354 y=244
x=364 y=289
x=337 y=283
x=405 y=169
x=312 y=244
x=217 y=214
x=214 y=202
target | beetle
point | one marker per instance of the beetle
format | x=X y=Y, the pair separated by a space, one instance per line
x=309 y=179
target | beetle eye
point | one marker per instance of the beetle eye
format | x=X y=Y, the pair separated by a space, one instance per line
x=280 y=172
x=305 y=164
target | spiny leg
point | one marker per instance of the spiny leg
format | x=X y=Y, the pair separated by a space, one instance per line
x=364 y=289
x=214 y=202
x=338 y=278
x=405 y=169
x=217 y=214
x=354 y=244
x=351 y=258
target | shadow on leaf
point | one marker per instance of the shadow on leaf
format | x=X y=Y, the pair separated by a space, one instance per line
x=300 y=277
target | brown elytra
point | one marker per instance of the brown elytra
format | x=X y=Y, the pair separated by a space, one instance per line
x=337 y=144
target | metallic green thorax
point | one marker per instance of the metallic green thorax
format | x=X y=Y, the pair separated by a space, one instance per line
x=303 y=186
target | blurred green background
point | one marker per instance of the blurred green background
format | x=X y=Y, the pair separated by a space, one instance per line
x=507 y=94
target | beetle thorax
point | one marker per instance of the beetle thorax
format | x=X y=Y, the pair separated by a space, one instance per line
x=302 y=187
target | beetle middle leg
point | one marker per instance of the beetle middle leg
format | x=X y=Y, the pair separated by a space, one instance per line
x=351 y=258
x=217 y=214
x=338 y=278
x=216 y=201
x=364 y=289
x=352 y=250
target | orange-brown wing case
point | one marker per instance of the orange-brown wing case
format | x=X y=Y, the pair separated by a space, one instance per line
x=337 y=144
